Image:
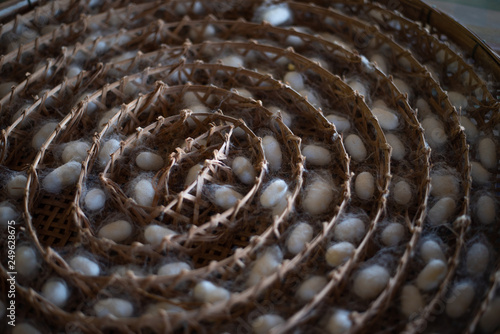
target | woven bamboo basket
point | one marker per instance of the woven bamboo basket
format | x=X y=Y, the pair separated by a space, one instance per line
x=316 y=97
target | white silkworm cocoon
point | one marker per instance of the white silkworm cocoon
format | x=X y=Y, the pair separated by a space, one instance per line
x=95 y=199
x=477 y=259
x=365 y=185
x=75 y=151
x=193 y=174
x=173 y=269
x=272 y=152
x=310 y=96
x=444 y=185
x=423 y=107
x=265 y=265
x=316 y=155
x=277 y=15
x=460 y=298
x=208 y=292
x=285 y=117
x=370 y=281
x=62 y=177
x=25 y=328
x=356 y=85
x=392 y=234
x=339 y=322
x=26 y=261
x=106 y=118
x=7 y=213
x=310 y=288
x=386 y=118
x=73 y=71
x=295 y=80
x=6 y=88
x=379 y=60
x=458 y=101
x=398 y=149
x=117 y=231
x=279 y=208
x=341 y=123
x=411 y=300
x=226 y=197
x=318 y=196
x=144 y=192
x=470 y=128
x=430 y=250
x=16 y=186
x=244 y=170
x=432 y=274
x=441 y=211
x=403 y=88
x=114 y=307
x=486 y=210
x=155 y=234
x=234 y=61
x=264 y=323
x=339 y=253
x=355 y=147
x=479 y=174
x=149 y=161
x=434 y=132
x=274 y=193
x=351 y=229
x=490 y=320
x=300 y=236
x=43 y=134
x=84 y=266
x=55 y=291
x=488 y=153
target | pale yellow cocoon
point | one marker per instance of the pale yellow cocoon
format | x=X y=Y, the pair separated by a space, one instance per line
x=208 y=292
x=398 y=148
x=264 y=323
x=114 y=307
x=339 y=322
x=402 y=193
x=430 y=250
x=488 y=153
x=411 y=300
x=370 y=281
x=318 y=197
x=355 y=147
x=272 y=152
x=392 y=234
x=274 y=193
x=244 y=170
x=431 y=275
x=486 y=210
x=351 y=230
x=460 y=298
x=316 y=155
x=117 y=231
x=477 y=258
x=149 y=161
x=301 y=234
x=173 y=269
x=365 y=185
x=341 y=123
x=226 y=197
x=310 y=288
x=441 y=211
x=154 y=234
